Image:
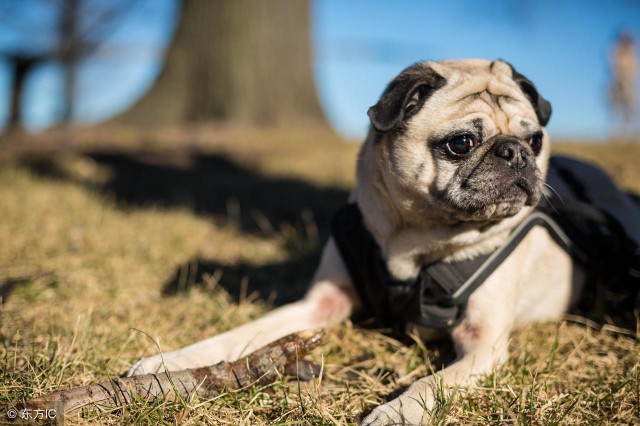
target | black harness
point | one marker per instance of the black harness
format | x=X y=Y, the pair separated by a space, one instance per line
x=604 y=241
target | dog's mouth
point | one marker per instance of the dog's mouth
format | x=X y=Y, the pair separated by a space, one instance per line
x=523 y=187
x=491 y=196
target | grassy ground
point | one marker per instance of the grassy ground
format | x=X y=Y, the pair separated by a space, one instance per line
x=102 y=250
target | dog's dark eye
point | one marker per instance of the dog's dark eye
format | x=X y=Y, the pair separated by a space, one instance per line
x=461 y=145
x=536 y=143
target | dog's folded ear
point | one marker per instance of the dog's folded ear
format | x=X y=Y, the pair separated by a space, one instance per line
x=404 y=97
x=541 y=106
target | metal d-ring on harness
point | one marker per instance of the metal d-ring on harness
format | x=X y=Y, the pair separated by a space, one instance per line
x=600 y=235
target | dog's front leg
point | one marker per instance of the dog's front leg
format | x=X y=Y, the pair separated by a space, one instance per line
x=481 y=343
x=329 y=301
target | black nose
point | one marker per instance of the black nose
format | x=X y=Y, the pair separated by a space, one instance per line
x=513 y=153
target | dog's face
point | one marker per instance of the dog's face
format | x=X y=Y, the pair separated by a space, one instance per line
x=461 y=141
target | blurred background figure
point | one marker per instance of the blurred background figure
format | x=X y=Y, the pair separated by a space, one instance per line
x=624 y=65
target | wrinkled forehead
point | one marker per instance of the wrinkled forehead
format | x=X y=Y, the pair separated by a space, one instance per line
x=478 y=75
x=480 y=90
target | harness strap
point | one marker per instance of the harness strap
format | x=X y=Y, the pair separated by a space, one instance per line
x=441 y=290
x=445 y=287
x=464 y=289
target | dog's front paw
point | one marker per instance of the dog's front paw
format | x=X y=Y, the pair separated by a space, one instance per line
x=410 y=408
x=400 y=411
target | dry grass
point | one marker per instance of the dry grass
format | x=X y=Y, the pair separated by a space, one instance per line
x=96 y=267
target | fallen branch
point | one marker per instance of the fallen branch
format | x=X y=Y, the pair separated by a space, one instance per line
x=263 y=366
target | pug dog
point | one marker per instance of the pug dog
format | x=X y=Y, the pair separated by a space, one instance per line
x=454 y=160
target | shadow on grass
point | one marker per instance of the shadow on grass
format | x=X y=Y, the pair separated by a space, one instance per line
x=215 y=186
x=208 y=184
x=274 y=283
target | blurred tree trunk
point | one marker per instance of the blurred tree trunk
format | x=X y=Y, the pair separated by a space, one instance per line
x=23 y=64
x=246 y=61
x=69 y=54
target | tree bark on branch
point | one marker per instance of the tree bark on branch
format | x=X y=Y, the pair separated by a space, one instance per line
x=263 y=366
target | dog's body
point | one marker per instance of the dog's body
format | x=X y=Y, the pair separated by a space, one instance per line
x=455 y=159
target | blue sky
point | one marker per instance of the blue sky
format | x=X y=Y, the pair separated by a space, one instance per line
x=563 y=46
